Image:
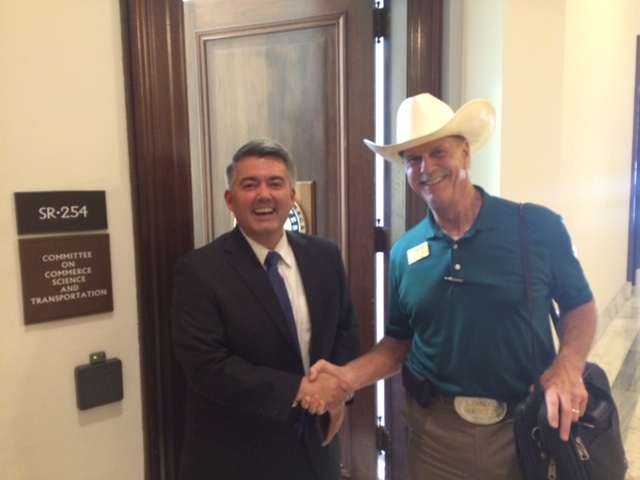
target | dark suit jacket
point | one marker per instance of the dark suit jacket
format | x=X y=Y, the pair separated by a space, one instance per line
x=242 y=365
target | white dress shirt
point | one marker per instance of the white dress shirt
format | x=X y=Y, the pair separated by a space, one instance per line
x=288 y=269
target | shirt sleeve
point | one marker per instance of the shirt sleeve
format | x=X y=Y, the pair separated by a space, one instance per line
x=568 y=284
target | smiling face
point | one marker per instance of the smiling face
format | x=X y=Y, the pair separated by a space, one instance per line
x=438 y=171
x=260 y=196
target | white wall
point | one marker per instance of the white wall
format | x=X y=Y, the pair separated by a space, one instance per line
x=473 y=69
x=566 y=71
x=63 y=127
x=567 y=122
x=534 y=52
x=598 y=94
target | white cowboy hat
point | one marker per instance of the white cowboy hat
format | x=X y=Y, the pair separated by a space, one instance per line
x=424 y=118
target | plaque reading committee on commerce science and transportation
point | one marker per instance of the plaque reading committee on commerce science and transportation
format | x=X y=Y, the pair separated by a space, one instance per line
x=65 y=276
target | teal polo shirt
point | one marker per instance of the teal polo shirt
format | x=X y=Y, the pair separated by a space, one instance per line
x=463 y=302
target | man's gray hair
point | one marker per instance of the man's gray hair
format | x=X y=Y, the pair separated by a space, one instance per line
x=262 y=147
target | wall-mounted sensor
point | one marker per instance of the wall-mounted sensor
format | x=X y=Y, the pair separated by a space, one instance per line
x=99 y=382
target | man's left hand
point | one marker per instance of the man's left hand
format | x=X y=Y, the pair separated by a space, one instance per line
x=337 y=417
x=564 y=393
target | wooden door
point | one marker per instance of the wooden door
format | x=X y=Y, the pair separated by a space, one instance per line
x=301 y=72
x=305 y=77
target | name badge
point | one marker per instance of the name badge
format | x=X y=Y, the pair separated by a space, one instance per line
x=480 y=411
x=418 y=253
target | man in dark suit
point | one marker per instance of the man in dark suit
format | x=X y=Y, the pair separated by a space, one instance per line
x=245 y=365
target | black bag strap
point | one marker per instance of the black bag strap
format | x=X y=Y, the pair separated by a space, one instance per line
x=526 y=266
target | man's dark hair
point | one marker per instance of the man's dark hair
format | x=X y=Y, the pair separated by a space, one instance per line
x=262 y=147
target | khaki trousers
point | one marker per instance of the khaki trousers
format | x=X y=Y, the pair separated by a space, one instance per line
x=443 y=446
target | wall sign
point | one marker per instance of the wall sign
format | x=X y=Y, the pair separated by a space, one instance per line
x=65 y=211
x=65 y=276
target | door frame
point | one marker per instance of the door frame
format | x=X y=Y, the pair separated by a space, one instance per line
x=157 y=116
x=424 y=71
x=425 y=23
x=160 y=169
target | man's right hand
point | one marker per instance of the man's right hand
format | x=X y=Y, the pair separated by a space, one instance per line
x=321 y=393
x=382 y=361
x=316 y=403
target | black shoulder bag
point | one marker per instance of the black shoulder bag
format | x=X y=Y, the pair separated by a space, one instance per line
x=594 y=450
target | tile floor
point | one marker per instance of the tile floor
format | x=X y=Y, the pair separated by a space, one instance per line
x=617 y=351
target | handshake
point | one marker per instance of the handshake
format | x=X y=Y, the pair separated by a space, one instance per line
x=326 y=388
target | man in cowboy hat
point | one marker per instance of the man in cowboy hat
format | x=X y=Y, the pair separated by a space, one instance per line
x=458 y=318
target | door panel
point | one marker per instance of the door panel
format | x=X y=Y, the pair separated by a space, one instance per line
x=280 y=81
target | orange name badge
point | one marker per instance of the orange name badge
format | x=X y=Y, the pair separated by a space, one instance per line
x=417 y=253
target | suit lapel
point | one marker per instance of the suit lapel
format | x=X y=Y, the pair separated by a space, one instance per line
x=243 y=260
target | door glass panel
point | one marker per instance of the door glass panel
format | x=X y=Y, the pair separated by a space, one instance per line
x=380 y=199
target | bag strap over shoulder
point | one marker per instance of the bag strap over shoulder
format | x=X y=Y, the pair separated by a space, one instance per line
x=526 y=266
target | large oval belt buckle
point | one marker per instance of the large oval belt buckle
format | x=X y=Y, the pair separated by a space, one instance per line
x=480 y=411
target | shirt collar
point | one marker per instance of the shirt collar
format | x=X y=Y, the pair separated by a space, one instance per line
x=487 y=218
x=283 y=248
